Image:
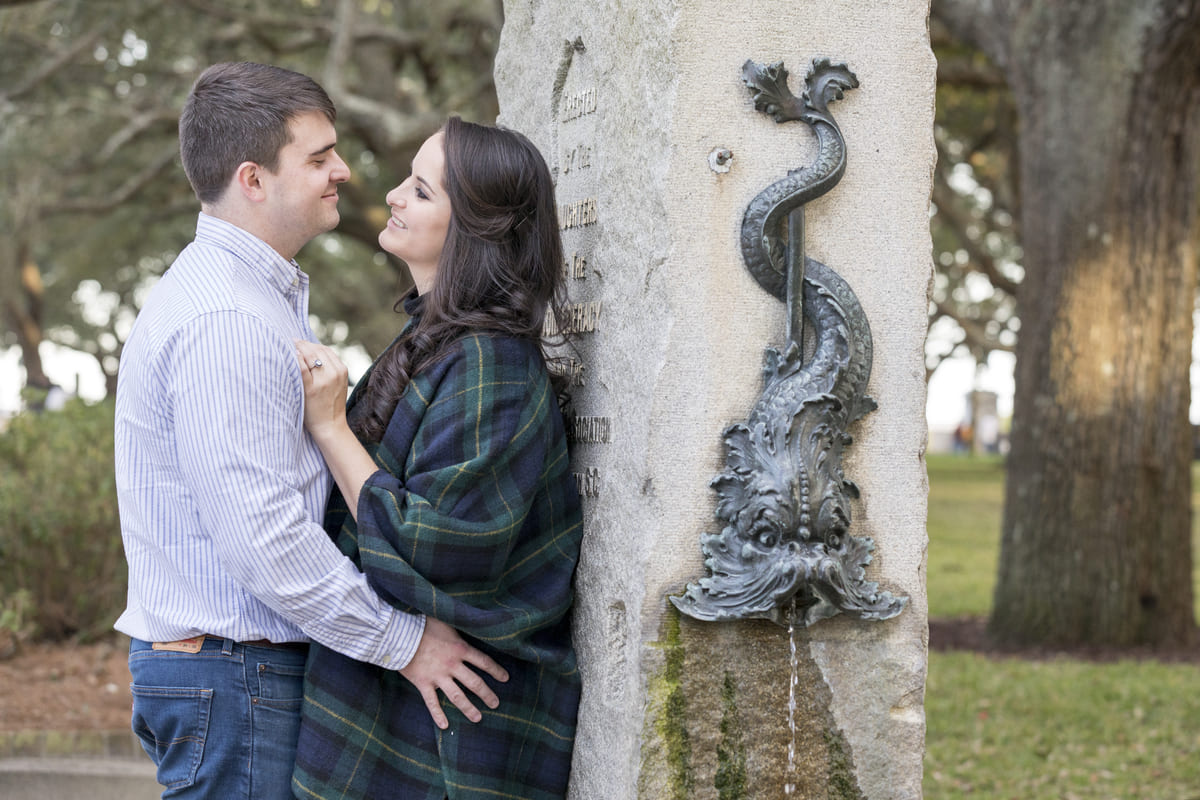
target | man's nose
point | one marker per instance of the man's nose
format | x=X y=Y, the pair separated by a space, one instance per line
x=341 y=171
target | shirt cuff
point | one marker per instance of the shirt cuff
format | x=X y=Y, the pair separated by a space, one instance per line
x=400 y=640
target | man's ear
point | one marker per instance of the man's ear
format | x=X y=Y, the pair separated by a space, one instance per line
x=248 y=178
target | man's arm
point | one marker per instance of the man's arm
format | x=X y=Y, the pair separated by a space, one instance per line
x=238 y=407
x=441 y=663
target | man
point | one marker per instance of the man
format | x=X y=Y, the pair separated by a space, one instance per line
x=218 y=484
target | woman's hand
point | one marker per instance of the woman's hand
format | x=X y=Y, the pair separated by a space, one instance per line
x=325 y=382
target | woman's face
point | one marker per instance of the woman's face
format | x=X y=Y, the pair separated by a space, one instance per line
x=420 y=216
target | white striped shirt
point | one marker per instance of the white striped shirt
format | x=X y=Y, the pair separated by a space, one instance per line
x=218 y=484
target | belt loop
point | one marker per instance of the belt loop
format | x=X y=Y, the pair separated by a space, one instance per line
x=227 y=647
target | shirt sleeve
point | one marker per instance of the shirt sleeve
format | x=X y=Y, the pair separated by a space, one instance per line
x=468 y=531
x=237 y=397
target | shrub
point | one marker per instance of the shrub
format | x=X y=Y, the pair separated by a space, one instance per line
x=60 y=537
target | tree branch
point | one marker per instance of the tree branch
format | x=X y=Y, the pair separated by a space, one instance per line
x=978 y=23
x=123 y=193
x=976 y=333
x=947 y=205
x=136 y=126
x=48 y=68
x=397 y=38
x=969 y=73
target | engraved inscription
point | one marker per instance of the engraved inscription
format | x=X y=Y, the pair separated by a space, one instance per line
x=579 y=157
x=580 y=318
x=578 y=104
x=576 y=215
x=577 y=167
x=574 y=372
x=588 y=482
x=575 y=267
x=590 y=430
x=617 y=637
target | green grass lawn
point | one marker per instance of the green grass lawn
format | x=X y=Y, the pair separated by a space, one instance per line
x=1057 y=729
x=966 y=498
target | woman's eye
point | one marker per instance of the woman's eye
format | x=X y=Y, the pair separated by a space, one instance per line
x=421 y=194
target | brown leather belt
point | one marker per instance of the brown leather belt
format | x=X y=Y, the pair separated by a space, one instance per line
x=193 y=644
x=276 y=645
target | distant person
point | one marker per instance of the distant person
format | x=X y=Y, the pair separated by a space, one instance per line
x=219 y=485
x=454 y=491
x=44 y=395
x=989 y=433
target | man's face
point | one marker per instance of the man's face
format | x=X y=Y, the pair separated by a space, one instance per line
x=302 y=193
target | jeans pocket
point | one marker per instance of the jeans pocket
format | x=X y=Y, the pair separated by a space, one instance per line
x=172 y=724
x=280 y=686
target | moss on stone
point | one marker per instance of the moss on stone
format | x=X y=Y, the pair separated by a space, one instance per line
x=730 y=779
x=842 y=783
x=673 y=723
x=670 y=725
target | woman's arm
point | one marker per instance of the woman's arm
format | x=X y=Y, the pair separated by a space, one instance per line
x=325 y=418
x=442 y=656
x=482 y=530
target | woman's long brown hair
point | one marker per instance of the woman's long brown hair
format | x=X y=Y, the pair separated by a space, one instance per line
x=500 y=268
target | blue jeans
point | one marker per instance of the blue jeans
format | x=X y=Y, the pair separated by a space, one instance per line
x=222 y=723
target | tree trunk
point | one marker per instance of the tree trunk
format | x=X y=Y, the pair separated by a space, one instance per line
x=1096 y=545
x=23 y=308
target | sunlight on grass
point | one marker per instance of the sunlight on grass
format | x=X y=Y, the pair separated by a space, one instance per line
x=1055 y=729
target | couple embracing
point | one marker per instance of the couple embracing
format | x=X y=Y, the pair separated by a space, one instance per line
x=362 y=599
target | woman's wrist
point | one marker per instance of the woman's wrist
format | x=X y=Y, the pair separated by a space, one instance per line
x=330 y=432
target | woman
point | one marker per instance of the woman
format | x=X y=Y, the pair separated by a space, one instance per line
x=453 y=490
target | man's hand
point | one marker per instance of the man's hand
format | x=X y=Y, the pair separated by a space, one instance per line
x=441 y=663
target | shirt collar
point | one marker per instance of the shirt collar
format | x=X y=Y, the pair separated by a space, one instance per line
x=262 y=259
x=412 y=303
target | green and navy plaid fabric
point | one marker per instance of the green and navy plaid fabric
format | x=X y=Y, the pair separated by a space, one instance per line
x=474 y=519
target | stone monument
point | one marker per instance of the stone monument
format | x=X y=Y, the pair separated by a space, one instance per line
x=643 y=112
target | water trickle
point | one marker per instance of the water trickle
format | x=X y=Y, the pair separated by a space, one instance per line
x=790 y=786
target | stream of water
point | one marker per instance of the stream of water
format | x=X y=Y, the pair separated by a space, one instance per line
x=789 y=787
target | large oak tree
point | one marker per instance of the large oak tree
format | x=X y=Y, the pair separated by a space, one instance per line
x=1096 y=538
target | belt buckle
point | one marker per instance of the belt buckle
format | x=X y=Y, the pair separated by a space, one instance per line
x=191 y=645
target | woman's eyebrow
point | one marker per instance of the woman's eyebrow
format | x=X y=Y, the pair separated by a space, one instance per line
x=425 y=183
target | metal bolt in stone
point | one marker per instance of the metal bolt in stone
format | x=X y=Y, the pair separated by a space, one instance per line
x=718 y=160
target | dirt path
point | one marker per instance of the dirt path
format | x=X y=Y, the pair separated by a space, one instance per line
x=66 y=687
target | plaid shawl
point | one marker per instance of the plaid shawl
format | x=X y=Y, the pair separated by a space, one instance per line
x=474 y=519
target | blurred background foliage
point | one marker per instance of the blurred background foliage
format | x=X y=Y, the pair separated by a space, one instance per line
x=96 y=207
x=64 y=569
x=976 y=244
